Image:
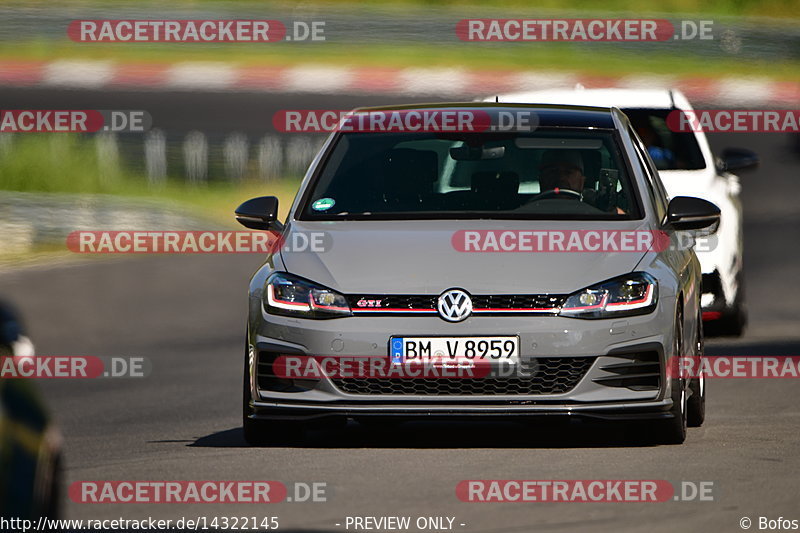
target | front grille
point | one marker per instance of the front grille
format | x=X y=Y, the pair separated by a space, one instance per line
x=399 y=303
x=392 y=301
x=552 y=375
x=519 y=301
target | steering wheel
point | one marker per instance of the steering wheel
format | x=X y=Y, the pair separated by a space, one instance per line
x=568 y=193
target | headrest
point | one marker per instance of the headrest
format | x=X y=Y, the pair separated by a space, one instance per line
x=566 y=156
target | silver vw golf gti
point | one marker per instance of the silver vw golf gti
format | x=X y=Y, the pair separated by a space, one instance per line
x=470 y=260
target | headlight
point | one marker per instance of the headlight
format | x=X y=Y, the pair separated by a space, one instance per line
x=631 y=294
x=292 y=296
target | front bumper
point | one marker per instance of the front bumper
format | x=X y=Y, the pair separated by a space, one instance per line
x=620 y=350
x=646 y=410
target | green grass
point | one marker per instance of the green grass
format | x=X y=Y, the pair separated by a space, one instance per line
x=69 y=164
x=745 y=8
x=597 y=60
x=601 y=59
x=752 y=8
x=37 y=254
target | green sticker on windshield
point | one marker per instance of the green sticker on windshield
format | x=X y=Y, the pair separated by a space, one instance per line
x=323 y=204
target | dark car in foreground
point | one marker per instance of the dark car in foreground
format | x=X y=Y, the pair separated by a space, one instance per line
x=30 y=444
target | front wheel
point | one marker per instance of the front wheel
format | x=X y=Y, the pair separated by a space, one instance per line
x=673 y=430
x=696 y=412
x=263 y=432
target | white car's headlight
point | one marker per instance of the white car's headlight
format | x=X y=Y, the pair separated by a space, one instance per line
x=293 y=296
x=631 y=294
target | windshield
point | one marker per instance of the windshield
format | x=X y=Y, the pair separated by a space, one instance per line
x=555 y=174
x=669 y=150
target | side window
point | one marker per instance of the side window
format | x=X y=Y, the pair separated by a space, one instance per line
x=657 y=192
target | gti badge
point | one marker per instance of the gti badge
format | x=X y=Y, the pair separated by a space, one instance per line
x=454 y=305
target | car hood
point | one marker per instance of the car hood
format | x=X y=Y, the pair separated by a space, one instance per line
x=418 y=257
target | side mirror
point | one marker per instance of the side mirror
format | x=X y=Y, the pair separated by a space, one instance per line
x=737 y=159
x=259 y=213
x=687 y=213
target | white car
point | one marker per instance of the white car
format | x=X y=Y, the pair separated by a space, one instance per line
x=687 y=168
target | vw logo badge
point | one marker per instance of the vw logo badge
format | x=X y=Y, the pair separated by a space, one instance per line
x=454 y=305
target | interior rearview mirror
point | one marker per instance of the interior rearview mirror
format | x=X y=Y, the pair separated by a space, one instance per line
x=476 y=153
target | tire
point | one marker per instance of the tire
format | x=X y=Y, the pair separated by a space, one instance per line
x=696 y=406
x=264 y=432
x=733 y=322
x=734 y=319
x=673 y=430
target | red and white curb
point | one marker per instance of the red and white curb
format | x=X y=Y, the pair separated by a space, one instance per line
x=445 y=82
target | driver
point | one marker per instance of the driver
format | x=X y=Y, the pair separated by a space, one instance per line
x=561 y=169
x=664 y=158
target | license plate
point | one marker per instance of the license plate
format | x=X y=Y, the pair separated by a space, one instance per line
x=454 y=349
